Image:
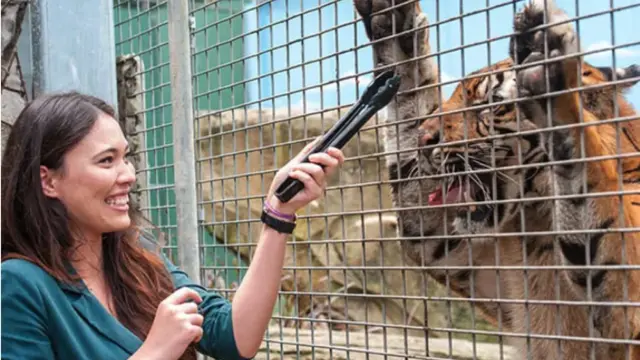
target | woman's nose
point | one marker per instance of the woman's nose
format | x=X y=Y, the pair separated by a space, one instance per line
x=128 y=173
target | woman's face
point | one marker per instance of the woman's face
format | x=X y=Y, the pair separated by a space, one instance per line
x=94 y=181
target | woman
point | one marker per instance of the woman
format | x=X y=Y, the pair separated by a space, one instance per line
x=76 y=282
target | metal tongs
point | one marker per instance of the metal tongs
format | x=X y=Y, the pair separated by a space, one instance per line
x=375 y=97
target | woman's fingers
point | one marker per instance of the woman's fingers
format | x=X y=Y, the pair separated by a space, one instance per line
x=188 y=307
x=314 y=170
x=332 y=159
x=195 y=319
x=198 y=334
x=324 y=159
x=336 y=153
x=307 y=148
x=309 y=182
x=182 y=295
x=313 y=174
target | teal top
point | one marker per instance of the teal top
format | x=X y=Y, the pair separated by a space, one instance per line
x=43 y=318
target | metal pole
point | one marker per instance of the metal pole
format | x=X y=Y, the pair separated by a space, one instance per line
x=183 y=136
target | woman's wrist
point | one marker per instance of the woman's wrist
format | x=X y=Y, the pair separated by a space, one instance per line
x=143 y=354
x=280 y=210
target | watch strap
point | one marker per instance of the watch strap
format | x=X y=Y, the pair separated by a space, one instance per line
x=277 y=224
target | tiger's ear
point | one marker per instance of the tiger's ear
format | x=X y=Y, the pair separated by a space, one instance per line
x=629 y=72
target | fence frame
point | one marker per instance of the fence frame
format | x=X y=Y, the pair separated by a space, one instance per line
x=180 y=28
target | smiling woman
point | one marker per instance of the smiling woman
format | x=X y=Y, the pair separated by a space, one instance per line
x=96 y=187
x=77 y=282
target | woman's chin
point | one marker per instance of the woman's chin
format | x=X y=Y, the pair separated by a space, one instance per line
x=121 y=223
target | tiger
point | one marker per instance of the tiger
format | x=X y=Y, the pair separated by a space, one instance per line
x=490 y=178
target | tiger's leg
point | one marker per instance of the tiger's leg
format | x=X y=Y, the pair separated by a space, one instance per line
x=601 y=246
x=418 y=96
x=408 y=54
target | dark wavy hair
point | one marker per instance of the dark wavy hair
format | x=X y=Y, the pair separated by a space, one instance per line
x=36 y=228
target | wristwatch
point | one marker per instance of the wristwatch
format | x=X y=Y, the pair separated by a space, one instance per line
x=273 y=222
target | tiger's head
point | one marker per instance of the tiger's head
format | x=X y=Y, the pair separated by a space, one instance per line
x=481 y=146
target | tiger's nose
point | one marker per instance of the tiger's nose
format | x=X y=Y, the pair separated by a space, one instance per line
x=429 y=138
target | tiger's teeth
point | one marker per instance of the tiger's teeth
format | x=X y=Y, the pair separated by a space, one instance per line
x=450 y=182
x=468 y=199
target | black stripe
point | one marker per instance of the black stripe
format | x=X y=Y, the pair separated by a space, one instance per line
x=529 y=177
x=411 y=231
x=628 y=135
x=402 y=174
x=462 y=275
x=533 y=139
x=501 y=206
x=575 y=252
x=535 y=247
x=597 y=277
x=562 y=147
x=634 y=170
x=606 y=71
x=635 y=203
x=535 y=155
x=502 y=130
x=477 y=85
x=440 y=250
x=579 y=201
x=426 y=82
x=507 y=318
x=404 y=170
x=440 y=278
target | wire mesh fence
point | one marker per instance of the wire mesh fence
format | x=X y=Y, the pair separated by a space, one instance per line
x=491 y=211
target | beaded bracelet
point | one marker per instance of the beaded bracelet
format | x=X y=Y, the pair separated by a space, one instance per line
x=275 y=212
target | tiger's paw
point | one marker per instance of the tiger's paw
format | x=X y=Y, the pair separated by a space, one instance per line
x=403 y=17
x=528 y=46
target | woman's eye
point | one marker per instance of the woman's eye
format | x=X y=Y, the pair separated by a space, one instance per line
x=107 y=160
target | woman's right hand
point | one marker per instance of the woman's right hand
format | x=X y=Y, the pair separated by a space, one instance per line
x=311 y=174
x=177 y=324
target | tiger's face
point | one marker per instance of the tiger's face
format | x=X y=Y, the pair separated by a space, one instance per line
x=482 y=145
x=479 y=151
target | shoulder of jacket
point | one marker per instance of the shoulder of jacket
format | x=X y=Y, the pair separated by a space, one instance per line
x=23 y=273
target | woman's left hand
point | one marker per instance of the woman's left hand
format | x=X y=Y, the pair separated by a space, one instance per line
x=312 y=174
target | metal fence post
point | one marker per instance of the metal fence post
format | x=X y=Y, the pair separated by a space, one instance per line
x=183 y=136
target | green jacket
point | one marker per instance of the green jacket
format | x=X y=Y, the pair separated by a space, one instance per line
x=46 y=319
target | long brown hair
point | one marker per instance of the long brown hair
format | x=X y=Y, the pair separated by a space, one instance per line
x=36 y=228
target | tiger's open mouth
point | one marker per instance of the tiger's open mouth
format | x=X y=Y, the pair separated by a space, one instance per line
x=458 y=191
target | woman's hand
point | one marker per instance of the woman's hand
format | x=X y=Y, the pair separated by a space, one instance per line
x=311 y=174
x=177 y=324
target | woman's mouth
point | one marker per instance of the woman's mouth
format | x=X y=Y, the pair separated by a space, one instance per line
x=118 y=202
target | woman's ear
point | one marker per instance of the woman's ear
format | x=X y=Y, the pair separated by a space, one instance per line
x=48 y=181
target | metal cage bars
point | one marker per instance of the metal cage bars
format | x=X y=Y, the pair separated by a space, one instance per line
x=237 y=125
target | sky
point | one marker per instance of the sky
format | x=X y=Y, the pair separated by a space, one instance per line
x=312 y=61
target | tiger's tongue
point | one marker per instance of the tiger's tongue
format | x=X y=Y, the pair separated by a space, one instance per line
x=454 y=195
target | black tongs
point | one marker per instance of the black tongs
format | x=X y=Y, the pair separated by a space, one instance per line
x=376 y=96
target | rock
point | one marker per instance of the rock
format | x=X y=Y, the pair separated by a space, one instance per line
x=283 y=343
x=13 y=92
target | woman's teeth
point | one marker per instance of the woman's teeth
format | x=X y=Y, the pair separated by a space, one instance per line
x=123 y=200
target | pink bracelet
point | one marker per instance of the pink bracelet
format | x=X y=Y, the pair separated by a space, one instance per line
x=279 y=214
